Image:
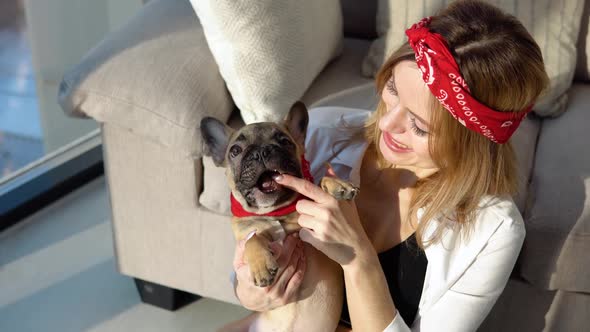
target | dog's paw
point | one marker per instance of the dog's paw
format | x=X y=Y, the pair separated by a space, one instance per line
x=264 y=268
x=338 y=188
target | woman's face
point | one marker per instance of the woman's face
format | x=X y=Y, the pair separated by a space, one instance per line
x=405 y=127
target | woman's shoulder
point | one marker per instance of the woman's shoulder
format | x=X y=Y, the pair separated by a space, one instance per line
x=496 y=216
x=504 y=210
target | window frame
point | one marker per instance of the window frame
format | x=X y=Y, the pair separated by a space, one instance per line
x=50 y=178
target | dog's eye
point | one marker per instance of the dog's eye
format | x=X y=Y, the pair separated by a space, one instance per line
x=235 y=151
x=283 y=139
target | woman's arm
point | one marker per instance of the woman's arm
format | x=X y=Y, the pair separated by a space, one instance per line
x=370 y=305
x=334 y=228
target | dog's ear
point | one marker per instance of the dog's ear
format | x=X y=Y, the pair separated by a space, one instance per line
x=216 y=135
x=296 y=122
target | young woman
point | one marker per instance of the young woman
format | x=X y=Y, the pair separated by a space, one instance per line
x=434 y=231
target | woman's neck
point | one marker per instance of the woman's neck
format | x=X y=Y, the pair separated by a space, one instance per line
x=384 y=201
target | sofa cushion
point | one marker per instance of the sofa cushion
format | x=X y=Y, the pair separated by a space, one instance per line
x=525 y=308
x=341 y=74
x=554 y=25
x=555 y=251
x=154 y=76
x=524 y=142
x=270 y=51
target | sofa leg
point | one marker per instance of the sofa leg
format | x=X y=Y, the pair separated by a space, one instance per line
x=162 y=296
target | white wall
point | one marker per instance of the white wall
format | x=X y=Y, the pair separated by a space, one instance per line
x=60 y=33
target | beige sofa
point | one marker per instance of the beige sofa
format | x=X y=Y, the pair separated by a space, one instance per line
x=148 y=85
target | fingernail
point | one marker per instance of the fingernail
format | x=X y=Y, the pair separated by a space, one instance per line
x=277 y=177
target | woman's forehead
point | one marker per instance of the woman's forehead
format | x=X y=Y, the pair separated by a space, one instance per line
x=411 y=89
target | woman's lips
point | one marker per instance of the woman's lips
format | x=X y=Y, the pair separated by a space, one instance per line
x=394 y=145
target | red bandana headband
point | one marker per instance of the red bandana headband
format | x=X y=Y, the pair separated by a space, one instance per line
x=441 y=74
x=238 y=210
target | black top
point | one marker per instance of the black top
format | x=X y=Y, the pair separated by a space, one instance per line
x=405 y=267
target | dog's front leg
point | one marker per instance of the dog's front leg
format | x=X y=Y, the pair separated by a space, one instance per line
x=257 y=253
x=259 y=257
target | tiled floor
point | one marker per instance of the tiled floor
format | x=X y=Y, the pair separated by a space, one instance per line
x=20 y=125
x=58 y=273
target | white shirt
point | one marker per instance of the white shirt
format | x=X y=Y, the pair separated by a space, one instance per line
x=464 y=277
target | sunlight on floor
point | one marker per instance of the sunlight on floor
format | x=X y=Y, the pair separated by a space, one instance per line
x=58 y=273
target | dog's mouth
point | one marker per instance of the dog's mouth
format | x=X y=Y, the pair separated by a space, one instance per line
x=266 y=182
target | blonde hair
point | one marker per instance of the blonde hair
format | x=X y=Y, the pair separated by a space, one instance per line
x=503 y=67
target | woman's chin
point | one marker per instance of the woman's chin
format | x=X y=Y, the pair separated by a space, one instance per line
x=392 y=157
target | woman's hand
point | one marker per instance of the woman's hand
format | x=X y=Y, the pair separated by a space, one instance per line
x=292 y=266
x=331 y=226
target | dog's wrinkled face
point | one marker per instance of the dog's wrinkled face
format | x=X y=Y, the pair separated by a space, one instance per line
x=256 y=153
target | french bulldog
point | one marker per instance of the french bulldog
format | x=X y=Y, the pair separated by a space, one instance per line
x=253 y=155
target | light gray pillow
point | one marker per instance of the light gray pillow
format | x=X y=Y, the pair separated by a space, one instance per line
x=270 y=51
x=216 y=192
x=155 y=76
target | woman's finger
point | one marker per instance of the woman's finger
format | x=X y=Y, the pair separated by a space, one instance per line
x=307 y=221
x=286 y=250
x=240 y=247
x=311 y=208
x=239 y=254
x=295 y=280
x=287 y=273
x=243 y=274
x=303 y=187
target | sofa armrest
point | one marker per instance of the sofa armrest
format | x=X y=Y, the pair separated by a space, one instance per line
x=155 y=76
x=159 y=234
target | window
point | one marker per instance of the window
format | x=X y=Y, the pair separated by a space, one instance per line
x=43 y=153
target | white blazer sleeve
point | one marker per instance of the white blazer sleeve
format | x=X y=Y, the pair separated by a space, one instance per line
x=466 y=304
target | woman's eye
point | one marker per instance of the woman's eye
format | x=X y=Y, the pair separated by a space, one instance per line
x=390 y=85
x=417 y=130
x=283 y=139
x=235 y=151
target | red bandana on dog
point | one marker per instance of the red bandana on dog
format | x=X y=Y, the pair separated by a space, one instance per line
x=441 y=74
x=238 y=210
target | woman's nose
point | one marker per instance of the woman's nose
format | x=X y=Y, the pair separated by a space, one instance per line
x=393 y=121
